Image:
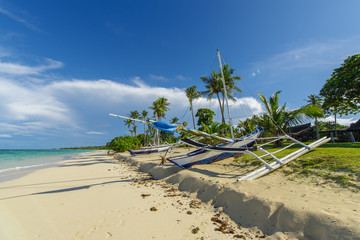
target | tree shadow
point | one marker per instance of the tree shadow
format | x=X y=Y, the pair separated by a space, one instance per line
x=63 y=189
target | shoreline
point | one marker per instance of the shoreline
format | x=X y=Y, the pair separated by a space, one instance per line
x=18 y=171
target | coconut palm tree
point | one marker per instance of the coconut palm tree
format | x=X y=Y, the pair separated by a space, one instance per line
x=214 y=85
x=174 y=120
x=159 y=106
x=191 y=94
x=315 y=100
x=134 y=114
x=278 y=119
x=230 y=81
x=128 y=124
x=144 y=114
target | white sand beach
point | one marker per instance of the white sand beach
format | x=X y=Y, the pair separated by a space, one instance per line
x=98 y=197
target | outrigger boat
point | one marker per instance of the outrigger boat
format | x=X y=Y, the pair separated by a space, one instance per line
x=244 y=145
x=208 y=154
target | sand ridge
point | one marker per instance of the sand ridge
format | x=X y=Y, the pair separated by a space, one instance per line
x=275 y=204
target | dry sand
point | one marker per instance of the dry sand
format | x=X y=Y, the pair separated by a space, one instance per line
x=97 y=197
x=280 y=207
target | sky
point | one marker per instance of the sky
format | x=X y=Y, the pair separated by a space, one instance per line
x=66 y=64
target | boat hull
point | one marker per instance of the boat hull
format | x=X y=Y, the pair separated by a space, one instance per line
x=205 y=155
x=149 y=150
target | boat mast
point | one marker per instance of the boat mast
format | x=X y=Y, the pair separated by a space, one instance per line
x=225 y=93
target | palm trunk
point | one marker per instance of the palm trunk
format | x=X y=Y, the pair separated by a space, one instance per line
x=317 y=129
x=157 y=130
x=192 y=111
x=335 y=123
x=144 y=135
x=221 y=109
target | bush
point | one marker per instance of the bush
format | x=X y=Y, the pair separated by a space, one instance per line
x=123 y=143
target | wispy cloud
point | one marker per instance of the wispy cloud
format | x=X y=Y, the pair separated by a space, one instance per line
x=19 y=19
x=5 y=136
x=322 y=56
x=20 y=69
x=95 y=133
x=158 y=78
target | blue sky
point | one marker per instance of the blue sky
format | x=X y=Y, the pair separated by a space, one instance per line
x=64 y=65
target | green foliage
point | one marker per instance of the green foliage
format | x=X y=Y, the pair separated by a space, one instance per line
x=123 y=143
x=249 y=125
x=205 y=116
x=329 y=126
x=341 y=92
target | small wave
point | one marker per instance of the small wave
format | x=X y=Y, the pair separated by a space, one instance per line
x=23 y=167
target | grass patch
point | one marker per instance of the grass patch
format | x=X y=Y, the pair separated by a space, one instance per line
x=339 y=162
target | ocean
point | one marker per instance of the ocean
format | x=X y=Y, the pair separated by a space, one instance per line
x=15 y=163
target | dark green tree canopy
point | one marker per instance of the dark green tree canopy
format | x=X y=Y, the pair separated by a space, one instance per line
x=205 y=116
x=341 y=92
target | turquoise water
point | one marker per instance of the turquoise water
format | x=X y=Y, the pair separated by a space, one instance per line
x=15 y=163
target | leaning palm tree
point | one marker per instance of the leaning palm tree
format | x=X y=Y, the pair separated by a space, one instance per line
x=192 y=94
x=159 y=106
x=315 y=100
x=278 y=119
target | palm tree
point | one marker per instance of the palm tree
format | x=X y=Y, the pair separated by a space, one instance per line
x=315 y=100
x=159 y=106
x=213 y=86
x=192 y=94
x=134 y=114
x=174 y=120
x=144 y=114
x=249 y=125
x=230 y=81
x=128 y=124
x=278 y=119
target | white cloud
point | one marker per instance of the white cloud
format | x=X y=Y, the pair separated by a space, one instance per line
x=341 y=121
x=77 y=104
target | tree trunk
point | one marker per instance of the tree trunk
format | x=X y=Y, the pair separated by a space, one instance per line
x=317 y=129
x=192 y=111
x=144 y=135
x=221 y=109
x=335 y=123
